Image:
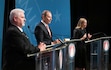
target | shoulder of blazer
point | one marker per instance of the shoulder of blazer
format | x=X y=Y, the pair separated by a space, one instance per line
x=42 y=26
x=13 y=29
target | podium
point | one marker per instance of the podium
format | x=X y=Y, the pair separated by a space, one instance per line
x=57 y=57
x=99 y=53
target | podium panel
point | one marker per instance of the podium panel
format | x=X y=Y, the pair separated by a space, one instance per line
x=99 y=53
x=59 y=57
x=43 y=61
x=64 y=58
x=51 y=59
x=69 y=58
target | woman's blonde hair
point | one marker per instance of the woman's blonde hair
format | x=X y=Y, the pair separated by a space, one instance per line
x=81 y=20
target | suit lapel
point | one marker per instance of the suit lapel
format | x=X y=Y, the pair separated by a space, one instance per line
x=45 y=30
x=23 y=33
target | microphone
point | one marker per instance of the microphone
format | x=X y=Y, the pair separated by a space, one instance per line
x=60 y=40
x=28 y=26
x=98 y=34
x=30 y=29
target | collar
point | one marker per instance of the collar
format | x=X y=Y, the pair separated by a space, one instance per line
x=18 y=28
x=44 y=23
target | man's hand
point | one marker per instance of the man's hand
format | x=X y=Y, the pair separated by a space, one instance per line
x=42 y=46
x=57 y=41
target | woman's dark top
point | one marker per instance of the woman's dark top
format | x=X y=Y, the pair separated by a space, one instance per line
x=80 y=56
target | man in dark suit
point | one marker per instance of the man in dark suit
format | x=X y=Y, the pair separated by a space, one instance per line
x=17 y=45
x=43 y=32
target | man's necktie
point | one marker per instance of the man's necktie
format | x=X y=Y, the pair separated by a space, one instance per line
x=48 y=30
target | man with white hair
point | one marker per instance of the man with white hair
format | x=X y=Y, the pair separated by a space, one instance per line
x=17 y=45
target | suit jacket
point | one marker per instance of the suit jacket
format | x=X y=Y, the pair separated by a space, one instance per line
x=15 y=50
x=42 y=34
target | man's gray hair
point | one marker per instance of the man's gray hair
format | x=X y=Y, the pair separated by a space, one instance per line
x=15 y=12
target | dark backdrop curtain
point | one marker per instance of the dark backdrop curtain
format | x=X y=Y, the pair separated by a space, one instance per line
x=9 y=5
